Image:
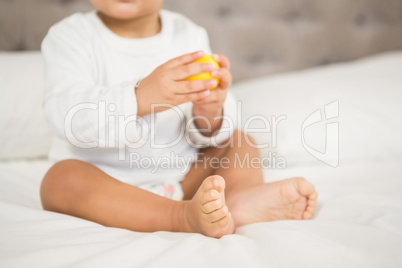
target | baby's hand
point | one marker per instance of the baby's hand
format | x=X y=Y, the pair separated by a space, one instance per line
x=216 y=98
x=165 y=84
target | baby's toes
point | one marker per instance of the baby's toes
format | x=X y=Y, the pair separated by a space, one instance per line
x=310 y=209
x=305 y=187
x=313 y=197
x=217 y=215
x=222 y=223
x=212 y=206
x=222 y=227
x=211 y=189
x=308 y=214
x=208 y=197
x=312 y=203
x=213 y=182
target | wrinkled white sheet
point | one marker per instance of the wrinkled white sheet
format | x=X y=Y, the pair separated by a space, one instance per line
x=358 y=224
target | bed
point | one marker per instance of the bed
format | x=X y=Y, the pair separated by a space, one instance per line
x=358 y=222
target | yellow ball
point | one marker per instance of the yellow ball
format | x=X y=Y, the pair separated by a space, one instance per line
x=206 y=76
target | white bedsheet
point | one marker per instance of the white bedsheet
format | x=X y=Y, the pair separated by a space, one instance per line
x=358 y=224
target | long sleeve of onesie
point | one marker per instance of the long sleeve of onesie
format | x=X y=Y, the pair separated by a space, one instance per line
x=73 y=100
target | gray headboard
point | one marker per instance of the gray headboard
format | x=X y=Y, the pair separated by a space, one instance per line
x=259 y=36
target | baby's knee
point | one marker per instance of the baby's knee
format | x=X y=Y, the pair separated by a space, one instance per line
x=60 y=184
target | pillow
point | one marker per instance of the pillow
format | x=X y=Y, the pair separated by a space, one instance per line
x=23 y=130
x=330 y=115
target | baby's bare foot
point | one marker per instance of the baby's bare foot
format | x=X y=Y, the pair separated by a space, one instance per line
x=207 y=212
x=291 y=199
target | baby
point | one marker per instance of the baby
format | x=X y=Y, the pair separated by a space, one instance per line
x=140 y=147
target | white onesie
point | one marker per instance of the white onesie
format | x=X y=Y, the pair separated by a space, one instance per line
x=91 y=104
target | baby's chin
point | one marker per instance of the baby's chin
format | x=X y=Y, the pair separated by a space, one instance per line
x=128 y=9
x=125 y=11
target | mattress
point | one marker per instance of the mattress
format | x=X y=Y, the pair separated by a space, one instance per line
x=358 y=224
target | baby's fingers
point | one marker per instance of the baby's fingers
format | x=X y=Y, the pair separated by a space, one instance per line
x=224 y=75
x=195 y=96
x=187 y=87
x=222 y=60
x=185 y=71
x=184 y=59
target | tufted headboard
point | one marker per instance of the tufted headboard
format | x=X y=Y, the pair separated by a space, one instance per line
x=259 y=36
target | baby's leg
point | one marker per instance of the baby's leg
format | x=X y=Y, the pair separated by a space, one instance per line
x=248 y=198
x=80 y=189
x=236 y=176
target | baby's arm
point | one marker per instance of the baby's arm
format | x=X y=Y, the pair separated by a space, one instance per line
x=209 y=111
x=212 y=120
x=73 y=101
x=166 y=88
